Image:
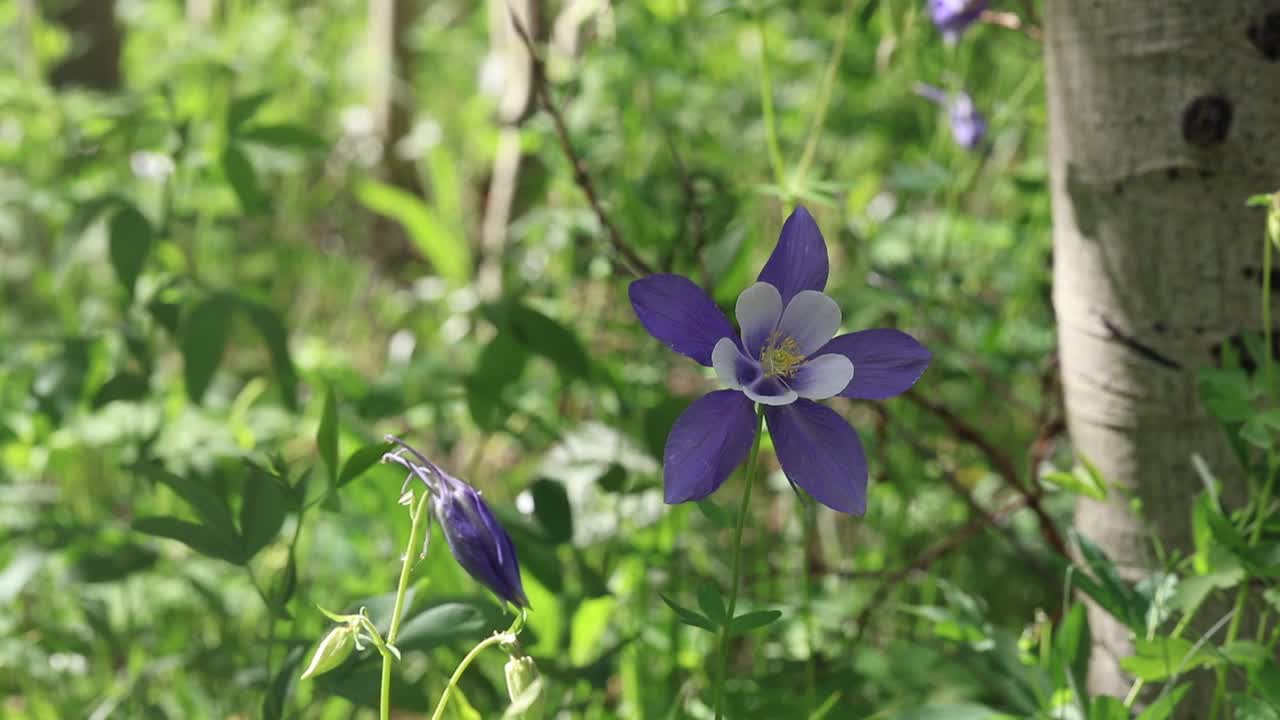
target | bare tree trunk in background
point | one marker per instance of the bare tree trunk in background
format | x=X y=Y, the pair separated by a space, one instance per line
x=1164 y=117
x=390 y=87
x=508 y=51
x=96 y=39
x=200 y=12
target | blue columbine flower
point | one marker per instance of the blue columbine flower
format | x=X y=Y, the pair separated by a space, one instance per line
x=479 y=544
x=968 y=126
x=953 y=17
x=785 y=358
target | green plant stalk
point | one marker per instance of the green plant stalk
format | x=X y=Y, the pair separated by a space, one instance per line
x=766 y=107
x=722 y=670
x=810 y=632
x=1268 y=484
x=824 y=96
x=397 y=614
x=497 y=638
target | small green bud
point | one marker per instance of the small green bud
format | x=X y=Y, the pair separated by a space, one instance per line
x=524 y=686
x=332 y=651
x=1273 y=220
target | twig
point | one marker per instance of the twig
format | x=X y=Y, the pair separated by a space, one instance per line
x=1000 y=462
x=1011 y=21
x=635 y=264
x=925 y=559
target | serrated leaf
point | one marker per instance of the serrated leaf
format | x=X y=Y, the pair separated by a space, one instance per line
x=442 y=245
x=201 y=538
x=261 y=511
x=361 y=460
x=327 y=435
x=130 y=242
x=205 y=332
x=753 y=620
x=687 y=616
x=271 y=328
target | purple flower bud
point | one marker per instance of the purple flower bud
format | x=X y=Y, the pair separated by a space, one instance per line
x=968 y=126
x=952 y=17
x=479 y=544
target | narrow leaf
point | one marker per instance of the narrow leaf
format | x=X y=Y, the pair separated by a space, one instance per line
x=243 y=180
x=753 y=620
x=205 y=332
x=271 y=327
x=327 y=435
x=439 y=243
x=200 y=538
x=130 y=243
x=361 y=460
x=261 y=511
x=689 y=617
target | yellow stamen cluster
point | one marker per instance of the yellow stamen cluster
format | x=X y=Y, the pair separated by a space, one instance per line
x=780 y=357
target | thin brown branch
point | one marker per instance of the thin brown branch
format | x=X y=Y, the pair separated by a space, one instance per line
x=581 y=177
x=1000 y=462
x=1012 y=21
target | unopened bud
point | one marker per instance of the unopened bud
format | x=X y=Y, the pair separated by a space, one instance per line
x=332 y=651
x=524 y=686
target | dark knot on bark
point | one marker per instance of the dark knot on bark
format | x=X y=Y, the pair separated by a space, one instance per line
x=1207 y=120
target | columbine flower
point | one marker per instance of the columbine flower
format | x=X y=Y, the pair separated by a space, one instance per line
x=968 y=126
x=785 y=358
x=475 y=538
x=952 y=17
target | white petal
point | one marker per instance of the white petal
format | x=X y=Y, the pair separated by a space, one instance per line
x=758 y=310
x=724 y=358
x=822 y=377
x=770 y=391
x=811 y=318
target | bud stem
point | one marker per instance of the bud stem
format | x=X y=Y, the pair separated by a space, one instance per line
x=419 y=513
x=496 y=639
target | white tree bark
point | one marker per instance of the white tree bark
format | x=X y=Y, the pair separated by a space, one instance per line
x=1164 y=117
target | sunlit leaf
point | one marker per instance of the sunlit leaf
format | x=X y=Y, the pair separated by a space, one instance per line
x=439 y=243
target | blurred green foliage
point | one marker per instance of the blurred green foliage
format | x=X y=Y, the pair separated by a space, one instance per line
x=216 y=302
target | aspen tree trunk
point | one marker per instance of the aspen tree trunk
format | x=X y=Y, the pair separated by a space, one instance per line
x=1164 y=117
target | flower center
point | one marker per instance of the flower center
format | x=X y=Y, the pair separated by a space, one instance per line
x=780 y=356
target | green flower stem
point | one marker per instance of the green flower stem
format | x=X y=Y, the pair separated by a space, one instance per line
x=824 y=96
x=397 y=614
x=507 y=638
x=723 y=665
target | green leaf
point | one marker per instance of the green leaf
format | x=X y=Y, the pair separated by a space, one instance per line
x=243 y=180
x=271 y=327
x=130 y=243
x=949 y=711
x=277 y=695
x=1104 y=585
x=1251 y=708
x=658 y=421
x=1071 y=643
x=327 y=436
x=753 y=620
x=1164 y=705
x=110 y=561
x=442 y=624
x=283 y=136
x=614 y=479
x=205 y=332
x=211 y=507
x=552 y=510
x=1244 y=653
x=1162 y=658
x=1083 y=479
x=715 y=513
x=125 y=385
x=1108 y=708
x=261 y=511
x=1192 y=591
x=712 y=604
x=548 y=338
x=22 y=567
x=243 y=108
x=500 y=364
x=689 y=617
x=201 y=538
x=361 y=460
x=590 y=622
x=439 y=243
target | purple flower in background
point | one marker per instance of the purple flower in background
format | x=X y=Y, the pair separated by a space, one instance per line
x=479 y=544
x=785 y=359
x=968 y=126
x=952 y=17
